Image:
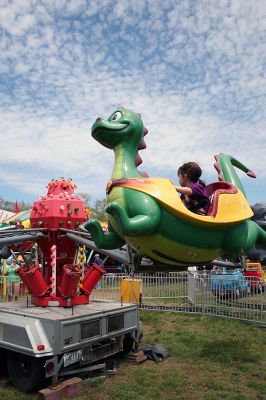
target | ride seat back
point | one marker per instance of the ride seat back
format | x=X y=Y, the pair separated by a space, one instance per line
x=214 y=190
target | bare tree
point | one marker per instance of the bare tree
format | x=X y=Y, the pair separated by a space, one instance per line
x=85 y=196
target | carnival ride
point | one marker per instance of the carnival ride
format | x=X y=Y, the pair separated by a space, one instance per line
x=60 y=332
x=53 y=218
x=148 y=215
x=229 y=283
x=17 y=219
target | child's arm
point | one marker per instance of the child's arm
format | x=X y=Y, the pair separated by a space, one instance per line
x=187 y=191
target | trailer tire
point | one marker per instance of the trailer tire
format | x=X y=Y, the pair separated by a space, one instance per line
x=128 y=344
x=25 y=372
x=2 y=362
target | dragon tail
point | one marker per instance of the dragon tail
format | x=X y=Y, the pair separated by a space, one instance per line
x=225 y=167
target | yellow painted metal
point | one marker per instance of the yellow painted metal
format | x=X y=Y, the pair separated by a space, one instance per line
x=256 y=266
x=130 y=290
x=26 y=223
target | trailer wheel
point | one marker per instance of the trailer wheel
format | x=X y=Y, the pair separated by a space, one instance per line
x=2 y=362
x=128 y=344
x=25 y=372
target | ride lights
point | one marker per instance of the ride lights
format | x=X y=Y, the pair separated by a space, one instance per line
x=53 y=274
x=81 y=253
x=81 y=257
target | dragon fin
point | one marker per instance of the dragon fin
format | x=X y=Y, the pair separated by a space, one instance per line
x=138 y=160
x=142 y=145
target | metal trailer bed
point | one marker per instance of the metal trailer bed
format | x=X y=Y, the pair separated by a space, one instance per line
x=39 y=343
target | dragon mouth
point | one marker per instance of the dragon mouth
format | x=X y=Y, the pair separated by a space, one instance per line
x=106 y=126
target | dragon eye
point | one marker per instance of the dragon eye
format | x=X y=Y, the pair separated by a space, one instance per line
x=116 y=116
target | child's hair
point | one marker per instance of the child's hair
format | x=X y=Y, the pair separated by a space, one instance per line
x=193 y=172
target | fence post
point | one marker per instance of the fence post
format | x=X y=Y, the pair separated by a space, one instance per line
x=191 y=279
x=203 y=296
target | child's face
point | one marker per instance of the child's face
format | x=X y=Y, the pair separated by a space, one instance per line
x=182 y=179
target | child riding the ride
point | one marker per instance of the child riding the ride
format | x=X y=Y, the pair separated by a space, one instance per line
x=192 y=189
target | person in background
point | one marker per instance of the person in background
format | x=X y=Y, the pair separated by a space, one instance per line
x=20 y=259
x=98 y=260
x=12 y=279
x=122 y=268
x=192 y=189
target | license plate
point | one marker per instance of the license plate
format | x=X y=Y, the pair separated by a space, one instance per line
x=71 y=358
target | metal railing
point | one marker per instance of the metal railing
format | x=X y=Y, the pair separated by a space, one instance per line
x=225 y=296
x=230 y=296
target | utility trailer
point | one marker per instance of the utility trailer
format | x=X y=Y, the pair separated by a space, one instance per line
x=41 y=344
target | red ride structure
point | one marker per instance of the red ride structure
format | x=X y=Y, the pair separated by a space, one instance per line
x=57 y=280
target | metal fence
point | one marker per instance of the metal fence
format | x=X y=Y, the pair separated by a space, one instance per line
x=230 y=297
x=226 y=296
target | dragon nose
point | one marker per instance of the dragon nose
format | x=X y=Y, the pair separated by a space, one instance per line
x=98 y=119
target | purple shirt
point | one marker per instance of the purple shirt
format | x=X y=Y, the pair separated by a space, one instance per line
x=198 y=202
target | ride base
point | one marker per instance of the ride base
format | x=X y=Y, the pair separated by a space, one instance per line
x=55 y=301
x=62 y=339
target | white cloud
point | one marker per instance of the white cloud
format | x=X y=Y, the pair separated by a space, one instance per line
x=195 y=72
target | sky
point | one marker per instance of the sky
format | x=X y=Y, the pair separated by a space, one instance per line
x=195 y=70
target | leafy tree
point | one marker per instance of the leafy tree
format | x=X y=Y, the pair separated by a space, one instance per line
x=98 y=211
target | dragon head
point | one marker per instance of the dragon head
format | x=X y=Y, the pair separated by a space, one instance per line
x=122 y=127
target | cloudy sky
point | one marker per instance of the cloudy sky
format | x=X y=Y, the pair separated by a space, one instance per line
x=195 y=70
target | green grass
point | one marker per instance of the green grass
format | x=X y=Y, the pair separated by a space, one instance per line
x=210 y=359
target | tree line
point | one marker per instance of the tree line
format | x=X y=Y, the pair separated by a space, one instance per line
x=11 y=205
x=97 y=210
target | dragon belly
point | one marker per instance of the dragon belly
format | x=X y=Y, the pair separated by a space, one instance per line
x=177 y=242
x=170 y=252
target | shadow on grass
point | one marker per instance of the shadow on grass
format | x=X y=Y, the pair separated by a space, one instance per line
x=228 y=350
